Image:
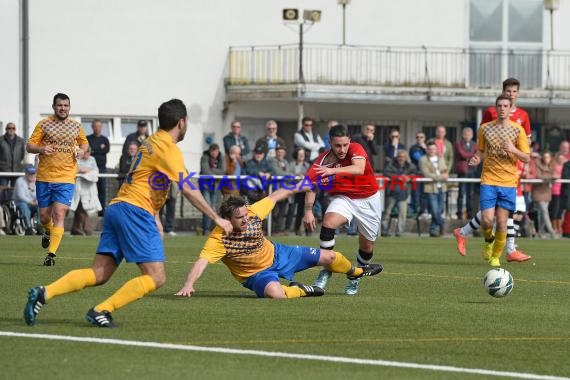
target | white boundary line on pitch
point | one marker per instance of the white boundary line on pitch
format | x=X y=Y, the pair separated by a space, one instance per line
x=333 y=359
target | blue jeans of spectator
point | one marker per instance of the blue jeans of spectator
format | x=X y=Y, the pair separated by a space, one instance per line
x=464 y=196
x=436 y=203
x=170 y=207
x=280 y=216
x=212 y=197
x=419 y=200
x=27 y=211
x=8 y=181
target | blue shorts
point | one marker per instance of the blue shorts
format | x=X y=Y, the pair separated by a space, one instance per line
x=130 y=232
x=288 y=261
x=49 y=192
x=498 y=196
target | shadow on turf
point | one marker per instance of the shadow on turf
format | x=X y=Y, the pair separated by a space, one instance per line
x=207 y=294
x=75 y=322
x=226 y=294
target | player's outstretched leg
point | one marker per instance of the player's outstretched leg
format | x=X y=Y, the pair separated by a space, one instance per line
x=353 y=283
x=36 y=300
x=309 y=290
x=367 y=270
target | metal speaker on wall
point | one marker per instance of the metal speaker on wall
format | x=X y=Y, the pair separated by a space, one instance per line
x=290 y=14
x=312 y=15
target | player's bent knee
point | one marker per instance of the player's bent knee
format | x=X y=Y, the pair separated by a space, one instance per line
x=159 y=281
x=101 y=275
x=274 y=290
x=487 y=221
x=327 y=257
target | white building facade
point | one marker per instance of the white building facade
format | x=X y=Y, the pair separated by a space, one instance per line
x=408 y=64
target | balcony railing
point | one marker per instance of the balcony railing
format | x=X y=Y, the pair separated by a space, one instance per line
x=399 y=67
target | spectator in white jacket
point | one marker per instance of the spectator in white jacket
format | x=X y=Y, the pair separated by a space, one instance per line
x=309 y=140
x=85 y=198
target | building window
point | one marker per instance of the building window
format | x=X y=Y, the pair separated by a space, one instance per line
x=116 y=129
x=485 y=20
x=129 y=126
x=107 y=126
x=525 y=21
x=506 y=40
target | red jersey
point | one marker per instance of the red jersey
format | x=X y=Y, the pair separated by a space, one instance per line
x=352 y=186
x=520 y=171
x=518 y=115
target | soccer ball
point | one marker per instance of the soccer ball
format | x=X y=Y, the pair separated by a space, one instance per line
x=498 y=282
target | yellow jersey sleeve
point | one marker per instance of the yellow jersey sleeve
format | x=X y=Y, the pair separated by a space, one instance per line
x=82 y=138
x=213 y=249
x=157 y=164
x=480 y=140
x=64 y=136
x=262 y=208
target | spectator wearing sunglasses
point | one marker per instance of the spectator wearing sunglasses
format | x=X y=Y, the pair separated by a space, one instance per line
x=392 y=146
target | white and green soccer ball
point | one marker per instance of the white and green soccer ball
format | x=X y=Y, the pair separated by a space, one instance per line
x=498 y=282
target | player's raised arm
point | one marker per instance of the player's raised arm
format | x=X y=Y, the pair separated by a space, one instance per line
x=281 y=194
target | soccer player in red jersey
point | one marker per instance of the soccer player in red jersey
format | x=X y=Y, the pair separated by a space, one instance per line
x=345 y=173
x=518 y=115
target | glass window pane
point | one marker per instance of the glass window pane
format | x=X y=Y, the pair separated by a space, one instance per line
x=105 y=123
x=525 y=21
x=485 y=20
x=129 y=126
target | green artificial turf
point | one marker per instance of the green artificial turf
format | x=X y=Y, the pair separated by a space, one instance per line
x=428 y=307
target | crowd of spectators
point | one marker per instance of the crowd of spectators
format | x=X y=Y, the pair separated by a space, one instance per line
x=271 y=155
